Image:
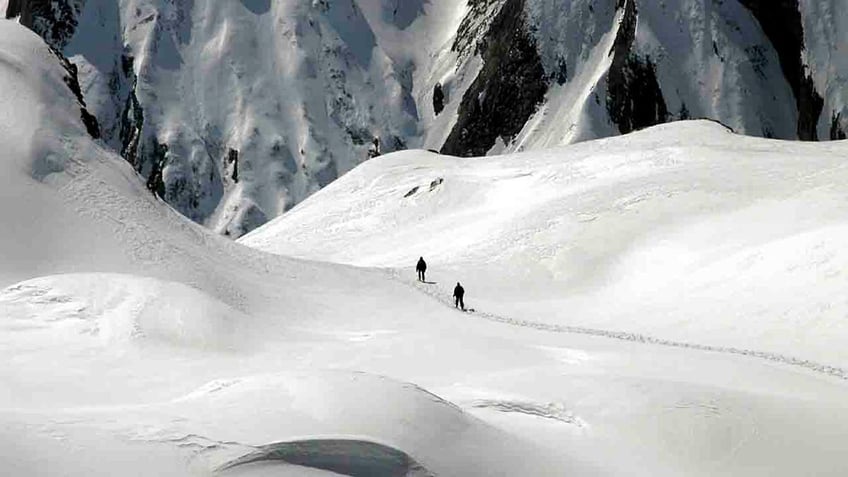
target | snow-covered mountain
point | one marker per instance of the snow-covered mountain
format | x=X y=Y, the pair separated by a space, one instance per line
x=134 y=342
x=175 y=348
x=235 y=111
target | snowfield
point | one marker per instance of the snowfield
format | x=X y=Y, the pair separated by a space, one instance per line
x=134 y=342
x=684 y=232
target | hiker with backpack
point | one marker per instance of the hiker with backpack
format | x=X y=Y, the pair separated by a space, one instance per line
x=458 y=294
x=421 y=267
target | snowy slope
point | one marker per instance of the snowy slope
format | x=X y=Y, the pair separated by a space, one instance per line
x=134 y=342
x=235 y=112
x=611 y=234
x=190 y=314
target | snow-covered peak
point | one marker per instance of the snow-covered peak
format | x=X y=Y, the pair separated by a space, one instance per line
x=234 y=112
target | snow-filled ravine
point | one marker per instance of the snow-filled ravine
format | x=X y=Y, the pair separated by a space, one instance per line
x=134 y=342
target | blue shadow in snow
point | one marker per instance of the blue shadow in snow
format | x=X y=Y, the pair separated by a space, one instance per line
x=257 y=6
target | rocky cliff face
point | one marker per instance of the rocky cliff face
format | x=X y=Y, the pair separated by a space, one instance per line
x=55 y=21
x=234 y=112
x=300 y=90
x=782 y=24
x=755 y=66
x=509 y=87
x=634 y=96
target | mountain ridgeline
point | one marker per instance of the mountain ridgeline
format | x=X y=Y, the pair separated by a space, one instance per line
x=235 y=112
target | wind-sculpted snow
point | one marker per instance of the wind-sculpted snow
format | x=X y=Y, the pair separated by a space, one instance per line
x=127 y=309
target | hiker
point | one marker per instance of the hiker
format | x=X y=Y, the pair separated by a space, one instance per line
x=458 y=293
x=421 y=268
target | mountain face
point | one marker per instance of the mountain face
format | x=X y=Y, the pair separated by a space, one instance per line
x=233 y=112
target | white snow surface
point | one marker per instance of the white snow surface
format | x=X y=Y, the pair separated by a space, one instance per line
x=134 y=342
x=685 y=231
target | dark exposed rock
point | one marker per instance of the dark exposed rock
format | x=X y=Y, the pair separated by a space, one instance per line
x=233 y=159
x=14 y=8
x=411 y=192
x=438 y=99
x=781 y=22
x=359 y=135
x=132 y=118
x=374 y=150
x=509 y=88
x=155 y=181
x=90 y=123
x=634 y=97
x=836 y=131
x=72 y=81
x=684 y=113
x=396 y=144
x=54 y=21
x=480 y=15
x=88 y=119
x=561 y=74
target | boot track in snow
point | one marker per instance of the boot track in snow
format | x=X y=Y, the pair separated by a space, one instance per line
x=441 y=296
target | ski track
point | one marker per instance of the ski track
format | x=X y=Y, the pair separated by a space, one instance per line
x=438 y=294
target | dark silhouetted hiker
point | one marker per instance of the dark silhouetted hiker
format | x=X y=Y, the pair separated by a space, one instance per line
x=421 y=268
x=458 y=293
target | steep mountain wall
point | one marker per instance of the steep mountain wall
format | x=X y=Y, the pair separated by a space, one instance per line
x=762 y=68
x=289 y=93
x=507 y=90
